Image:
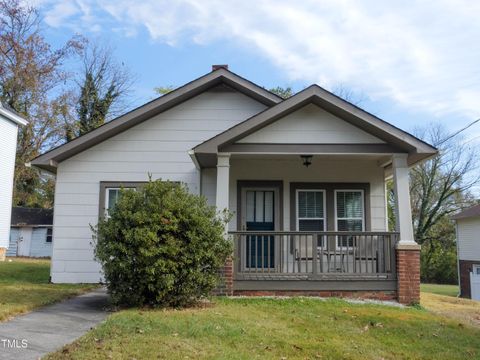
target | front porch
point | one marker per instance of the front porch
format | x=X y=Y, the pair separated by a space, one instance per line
x=318 y=230
x=305 y=181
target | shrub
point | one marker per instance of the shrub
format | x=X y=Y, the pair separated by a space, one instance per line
x=161 y=246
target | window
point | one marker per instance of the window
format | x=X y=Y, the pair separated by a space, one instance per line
x=349 y=212
x=48 y=239
x=476 y=269
x=311 y=211
x=112 y=194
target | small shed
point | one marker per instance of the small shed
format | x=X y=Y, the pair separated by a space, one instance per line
x=468 y=251
x=31 y=232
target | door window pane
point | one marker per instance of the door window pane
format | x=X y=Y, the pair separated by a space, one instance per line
x=250 y=206
x=259 y=206
x=268 y=206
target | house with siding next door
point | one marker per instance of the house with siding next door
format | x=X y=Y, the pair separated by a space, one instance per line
x=31 y=232
x=305 y=178
x=468 y=251
x=9 y=123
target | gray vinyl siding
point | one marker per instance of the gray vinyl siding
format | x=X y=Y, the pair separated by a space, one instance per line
x=38 y=245
x=158 y=146
x=311 y=125
x=468 y=232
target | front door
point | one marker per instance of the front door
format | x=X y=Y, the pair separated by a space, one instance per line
x=260 y=217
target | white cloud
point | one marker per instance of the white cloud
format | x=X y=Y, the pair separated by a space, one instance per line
x=421 y=55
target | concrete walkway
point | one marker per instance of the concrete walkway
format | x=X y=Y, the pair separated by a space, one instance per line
x=35 y=334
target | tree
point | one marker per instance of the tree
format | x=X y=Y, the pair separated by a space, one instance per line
x=161 y=246
x=162 y=90
x=32 y=82
x=348 y=94
x=103 y=89
x=283 y=92
x=440 y=187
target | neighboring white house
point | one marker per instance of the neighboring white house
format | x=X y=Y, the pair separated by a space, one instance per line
x=31 y=232
x=9 y=122
x=246 y=149
x=468 y=251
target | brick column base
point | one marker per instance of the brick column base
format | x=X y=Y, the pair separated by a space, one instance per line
x=3 y=253
x=408 y=274
x=225 y=285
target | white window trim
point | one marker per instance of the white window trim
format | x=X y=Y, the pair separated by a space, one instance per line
x=337 y=218
x=107 y=196
x=297 y=216
x=476 y=269
x=51 y=236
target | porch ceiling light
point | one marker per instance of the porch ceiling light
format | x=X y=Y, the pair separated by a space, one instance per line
x=307 y=160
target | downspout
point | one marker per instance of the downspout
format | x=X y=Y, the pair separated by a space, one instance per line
x=458 y=260
x=192 y=155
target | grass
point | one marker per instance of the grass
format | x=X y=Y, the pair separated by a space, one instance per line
x=24 y=286
x=443 y=300
x=446 y=290
x=463 y=310
x=295 y=328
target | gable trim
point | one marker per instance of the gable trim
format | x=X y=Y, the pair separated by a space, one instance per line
x=336 y=106
x=48 y=160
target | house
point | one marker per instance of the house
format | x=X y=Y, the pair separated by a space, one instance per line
x=9 y=123
x=468 y=251
x=31 y=232
x=305 y=178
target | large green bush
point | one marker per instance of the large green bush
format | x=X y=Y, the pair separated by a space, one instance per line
x=161 y=246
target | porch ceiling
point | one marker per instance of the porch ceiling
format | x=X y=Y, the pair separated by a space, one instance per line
x=376 y=152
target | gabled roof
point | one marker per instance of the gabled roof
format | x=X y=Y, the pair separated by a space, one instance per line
x=11 y=115
x=399 y=140
x=50 y=159
x=31 y=216
x=473 y=211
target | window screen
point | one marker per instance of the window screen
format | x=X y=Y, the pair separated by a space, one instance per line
x=349 y=210
x=311 y=211
x=350 y=217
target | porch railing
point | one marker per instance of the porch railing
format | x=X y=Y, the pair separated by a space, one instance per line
x=314 y=255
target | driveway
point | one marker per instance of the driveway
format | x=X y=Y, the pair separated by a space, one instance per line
x=35 y=334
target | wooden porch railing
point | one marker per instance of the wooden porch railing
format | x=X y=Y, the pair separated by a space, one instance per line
x=314 y=255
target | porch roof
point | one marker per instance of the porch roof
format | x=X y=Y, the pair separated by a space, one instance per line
x=396 y=140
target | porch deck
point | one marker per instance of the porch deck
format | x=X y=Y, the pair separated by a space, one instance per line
x=297 y=260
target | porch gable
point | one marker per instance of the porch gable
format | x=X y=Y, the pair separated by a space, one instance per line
x=312 y=125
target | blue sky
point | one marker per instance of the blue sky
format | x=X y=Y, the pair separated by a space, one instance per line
x=412 y=63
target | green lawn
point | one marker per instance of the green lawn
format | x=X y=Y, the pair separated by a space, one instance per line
x=447 y=290
x=24 y=286
x=295 y=328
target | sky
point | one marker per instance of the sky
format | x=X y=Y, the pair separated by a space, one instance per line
x=412 y=63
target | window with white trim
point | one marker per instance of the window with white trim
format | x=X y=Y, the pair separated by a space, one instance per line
x=49 y=236
x=311 y=211
x=112 y=194
x=349 y=213
x=476 y=269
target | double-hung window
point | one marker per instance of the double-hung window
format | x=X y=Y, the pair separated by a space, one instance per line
x=311 y=212
x=112 y=194
x=49 y=235
x=349 y=214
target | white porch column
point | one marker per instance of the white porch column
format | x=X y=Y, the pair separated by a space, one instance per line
x=223 y=180
x=403 y=211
